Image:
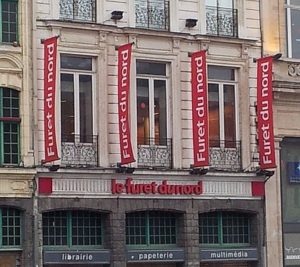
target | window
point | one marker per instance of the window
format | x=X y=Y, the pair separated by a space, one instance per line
x=151 y=228
x=221 y=18
x=293 y=24
x=152 y=14
x=222 y=106
x=152 y=114
x=224 y=228
x=72 y=229
x=9 y=22
x=10 y=228
x=83 y=10
x=9 y=126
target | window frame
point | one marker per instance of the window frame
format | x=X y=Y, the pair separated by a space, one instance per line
x=68 y=216
x=151 y=78
x=17 y=21
x=147 y=227
x=221 y=83
x=220 y=235
x=11 y=121
x=76 y=94
x=20 y=226
x=289 y=7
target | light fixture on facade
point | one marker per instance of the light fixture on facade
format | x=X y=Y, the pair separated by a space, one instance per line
x=53 y=168
x=124 y=169
x=190 y=23
x=117 y=15
x=198 y=171
x=275 y=57
x=266 y=173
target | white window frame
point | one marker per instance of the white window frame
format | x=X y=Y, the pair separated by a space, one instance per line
x=76 y=73
x=151 y=79
x=221 y=84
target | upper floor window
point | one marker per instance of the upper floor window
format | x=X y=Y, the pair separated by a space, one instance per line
x=72 y=229
x=221 y=18
x=224 y=228
x=83 y=10
x=9 y=127
x=77 y=109
x=151 y=228
x=9 y=20
x=152 y=14
x=293 y=25
x=10 y=228
x=222 y=91
x=152 y=113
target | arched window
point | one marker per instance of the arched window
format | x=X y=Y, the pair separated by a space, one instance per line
x=72 y=229
x=10 y=228
x=9 y=127
x=151 y=228
x=224 y=228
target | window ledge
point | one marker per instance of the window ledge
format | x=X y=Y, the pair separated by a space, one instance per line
x=10 y=48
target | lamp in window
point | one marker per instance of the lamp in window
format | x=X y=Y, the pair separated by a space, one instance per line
x=190 y=23
x=117 y=15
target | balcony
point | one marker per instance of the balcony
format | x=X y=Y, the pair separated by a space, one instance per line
x=225 y=155
x=79 y=10
x=152 y=14
x=221 y=21
x=155 y=153
x=80 y=151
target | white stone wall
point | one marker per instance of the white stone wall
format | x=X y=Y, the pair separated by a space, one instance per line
x=100 y=41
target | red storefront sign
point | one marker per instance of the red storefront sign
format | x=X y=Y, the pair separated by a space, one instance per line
x=50 y=54
x=124 y=60
x=265 y=113
x=199 y=109
x=164 y=188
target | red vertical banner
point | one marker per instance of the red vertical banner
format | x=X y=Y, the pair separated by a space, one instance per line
x=50 y=54
x=124 y=62
x=200 y=109
x=265 y=113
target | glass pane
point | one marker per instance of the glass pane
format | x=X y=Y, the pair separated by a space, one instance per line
x=160 y=112
x=67 y=107
x=75 y=62
x=136 y=228
x=143 y=119
x=214 y=116
x=150 y=68
x=11 y=144
x=86 y=108
x=295 y=25
x=208 y=228
x=229 y=116
x=9 y=21
x=295 y=2
x=220 y=73
x=225 y=3
x=211 y=3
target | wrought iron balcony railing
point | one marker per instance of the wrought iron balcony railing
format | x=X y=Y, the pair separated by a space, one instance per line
x=221 y=21
x=152 y=14
x=156 y=153
x=81 y=10
x=225 y=155
x=78 y=150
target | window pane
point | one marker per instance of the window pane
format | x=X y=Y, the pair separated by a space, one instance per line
x=143 y=119
x=214 y=116
x=9 y=21
x=225 y=3
x=10 y=103
x=229 y=116
x=150 y=68
x=11 y=227
x=295 y=25
x=86 y=108
x=11 y=144
x=221 y=73
x=136 y=228
x=211 y=2
x=208 y=228
x=160 y=112
x=55 y=228
x=295 y=2
x=75 y=62
x=67 y=107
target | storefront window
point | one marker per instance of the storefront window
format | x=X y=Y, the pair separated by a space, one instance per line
x=224 y=228
x=72 y=229
x=151 y=228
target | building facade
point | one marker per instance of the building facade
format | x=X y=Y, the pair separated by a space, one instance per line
x=16 y=134
x=159 y=210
